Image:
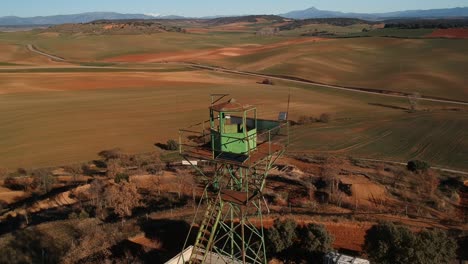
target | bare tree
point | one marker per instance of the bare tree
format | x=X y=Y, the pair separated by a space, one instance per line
x=330 y=171
x=96 y=195
x=94 y=243
x=114 y=168
x=123 y=198
x=157 y=182
x=3 y=173
x=430 y=182
x=43 y=179
x=413 y=100
x=75 y=170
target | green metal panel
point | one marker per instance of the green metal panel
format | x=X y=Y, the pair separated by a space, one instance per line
x=233 y=138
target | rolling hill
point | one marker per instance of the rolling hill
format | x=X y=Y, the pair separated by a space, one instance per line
x=299 y=14
x=431 y=13
x=75 y=18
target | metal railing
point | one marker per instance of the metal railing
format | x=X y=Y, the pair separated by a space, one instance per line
x=199 y=137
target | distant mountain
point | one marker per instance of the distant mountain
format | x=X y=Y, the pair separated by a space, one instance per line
x=431 y=13
x=300 y=14
x=248 y=19
x=76 y=18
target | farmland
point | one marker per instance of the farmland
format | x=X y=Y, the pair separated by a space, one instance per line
x=127 y=91
x=115 y=92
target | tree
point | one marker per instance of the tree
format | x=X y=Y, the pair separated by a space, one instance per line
x=330 y=171
x=96 y=196
x=43 y=179
x=75 y=171
x=121 y=177
x=114 y=168
x=281 y=236
x=315 y=238
x=433 y=246
x=3 y=173
x=267 y=81
x=388 y=243
x=413 y=100
x=417 y=166
x=123 y=198
x=172 y=145
x=325 y=118
x=110 y=154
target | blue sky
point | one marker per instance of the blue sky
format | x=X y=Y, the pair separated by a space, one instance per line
x=213 y=7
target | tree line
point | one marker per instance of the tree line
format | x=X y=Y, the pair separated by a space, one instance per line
x=427 y=23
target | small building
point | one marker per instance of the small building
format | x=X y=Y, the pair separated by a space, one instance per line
x=337 y=258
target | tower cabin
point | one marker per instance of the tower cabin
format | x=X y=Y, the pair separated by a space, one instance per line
x=233 y=128
x=233 y=134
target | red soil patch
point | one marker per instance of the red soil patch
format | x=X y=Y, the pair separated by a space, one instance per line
x=31 y=82
x=364 y=191
x=350 y=236
x=450 y=33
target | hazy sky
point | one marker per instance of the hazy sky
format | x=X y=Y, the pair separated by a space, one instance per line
x=213 y=7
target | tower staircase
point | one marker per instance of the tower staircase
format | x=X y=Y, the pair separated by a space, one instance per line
x=206 y=234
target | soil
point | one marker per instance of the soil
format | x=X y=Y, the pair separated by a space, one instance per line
x=450 y=33
x=53 y=82
x=9 y=196
x=209 y=54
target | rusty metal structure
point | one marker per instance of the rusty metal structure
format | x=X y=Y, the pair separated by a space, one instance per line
x=241 y=150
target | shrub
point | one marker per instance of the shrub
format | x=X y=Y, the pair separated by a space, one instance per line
x=315 y=239
x=13 y=184
x=121 y=177
x=388 y=243
x=110 y=154
x=22 y=171
x=73 y=215
x=303 y=120
x=267 y=81
x=83 y=214
x=172 y=145
x=325 y=118
x=281 y=236
x=417 y=166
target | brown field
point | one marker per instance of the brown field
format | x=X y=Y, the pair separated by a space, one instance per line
x=211 y=54
x=19 y=54
x=450 y=33
x=56 y=82
x=53 y=114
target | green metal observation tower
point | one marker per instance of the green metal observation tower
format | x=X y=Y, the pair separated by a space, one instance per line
x=240 y=150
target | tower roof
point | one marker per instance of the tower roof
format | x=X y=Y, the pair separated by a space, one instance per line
x=231 y=106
